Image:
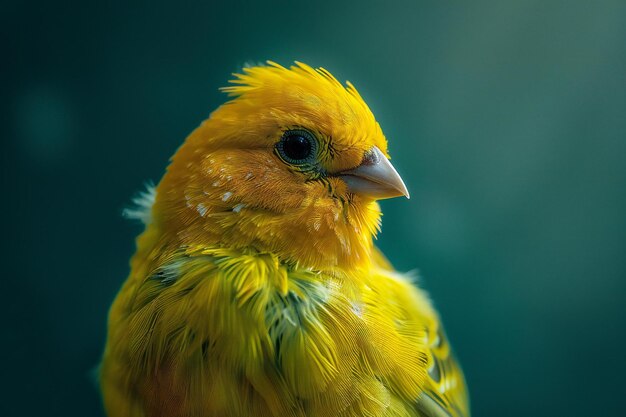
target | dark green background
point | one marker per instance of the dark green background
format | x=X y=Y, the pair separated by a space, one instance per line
x=507 y=120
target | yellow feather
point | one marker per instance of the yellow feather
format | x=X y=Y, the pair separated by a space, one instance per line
x=256 y=289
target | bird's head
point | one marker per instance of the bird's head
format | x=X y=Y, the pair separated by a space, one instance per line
x=292 y=165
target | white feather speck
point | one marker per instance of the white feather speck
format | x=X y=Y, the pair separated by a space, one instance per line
x=188 y=201
x=226 y=195
x=201 y=209
x=238 y=208
x=357 y=308
x=142 y=205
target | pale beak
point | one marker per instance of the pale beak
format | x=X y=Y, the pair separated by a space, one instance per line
x=375 y=178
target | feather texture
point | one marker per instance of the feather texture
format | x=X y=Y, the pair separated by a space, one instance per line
x=256 y=289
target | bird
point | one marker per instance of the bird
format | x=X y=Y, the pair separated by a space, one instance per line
x=256 y=289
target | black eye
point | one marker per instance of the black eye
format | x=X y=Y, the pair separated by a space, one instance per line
x=297 y=146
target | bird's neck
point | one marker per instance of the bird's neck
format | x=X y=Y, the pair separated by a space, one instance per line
x=325 y=242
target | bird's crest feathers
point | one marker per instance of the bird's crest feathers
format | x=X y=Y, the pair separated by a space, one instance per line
x=256 y=76
x=312 y=92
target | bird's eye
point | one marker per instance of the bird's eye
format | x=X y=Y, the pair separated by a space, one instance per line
x=297 y=147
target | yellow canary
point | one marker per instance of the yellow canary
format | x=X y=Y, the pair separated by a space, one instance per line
x=256 y=289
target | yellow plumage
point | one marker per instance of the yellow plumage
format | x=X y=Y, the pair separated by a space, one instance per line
x=256 y=289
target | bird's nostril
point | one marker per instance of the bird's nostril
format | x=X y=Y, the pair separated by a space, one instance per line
x=371 y=157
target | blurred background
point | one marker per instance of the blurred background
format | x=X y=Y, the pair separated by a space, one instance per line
x=506 y=119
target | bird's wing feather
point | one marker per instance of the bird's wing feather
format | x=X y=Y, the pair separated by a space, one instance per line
x=445 y=393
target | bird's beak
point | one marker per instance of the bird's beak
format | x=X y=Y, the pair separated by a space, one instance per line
x=375 y=178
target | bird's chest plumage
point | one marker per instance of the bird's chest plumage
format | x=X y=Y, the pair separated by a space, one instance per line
x=229 y=336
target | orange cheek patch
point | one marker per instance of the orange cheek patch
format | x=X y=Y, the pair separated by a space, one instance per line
x=254 y=178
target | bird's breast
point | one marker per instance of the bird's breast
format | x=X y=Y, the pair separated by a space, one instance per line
x=219 y=323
